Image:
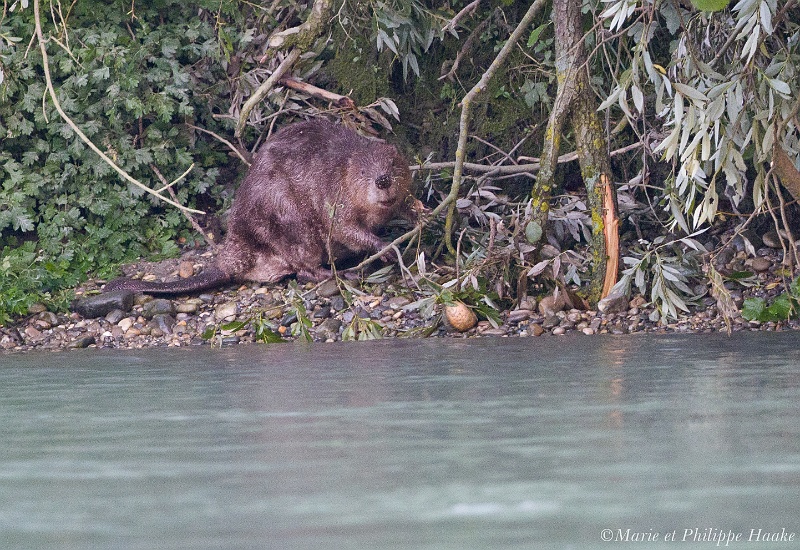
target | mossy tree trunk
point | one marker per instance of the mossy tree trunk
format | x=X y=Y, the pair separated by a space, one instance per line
x=576 y=104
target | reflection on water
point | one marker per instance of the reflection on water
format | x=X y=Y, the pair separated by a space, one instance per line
x=494 y=443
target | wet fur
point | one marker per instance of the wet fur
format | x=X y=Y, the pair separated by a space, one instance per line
x=311 y=184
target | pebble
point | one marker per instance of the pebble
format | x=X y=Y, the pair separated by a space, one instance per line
x=760 y=264
x=518 y=315
x=771 y=239
x=159 y=306
x=115 y=316
x=328 y=289
x=185 y=269
x=613 y=303
x=224 y=313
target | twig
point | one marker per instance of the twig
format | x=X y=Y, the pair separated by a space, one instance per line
x=264 y=89
x=304 y=87
x=469 y=8
x=466 y=104
x=405 y=236
x=230 y=145
x=473 y=36
x=189 y=217
x=78 y=131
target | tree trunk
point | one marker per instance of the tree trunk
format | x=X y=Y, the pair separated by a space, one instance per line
x=575 y=103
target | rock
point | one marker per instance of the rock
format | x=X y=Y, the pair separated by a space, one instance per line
x=760 y=264
x=82 y=342
x=588 y=331
x=337 y=303
x=159 y=306
x=226 y=312
x=551 y=321
x=638 y=301
x=186 y=307
x=125 y=323
x=322 y=312
x=46 y=319
x=101 y=305
x=536 y=330
x=771 y=239
x=289 y=318
x=115 y=316
x=328 y=289
x=185 y=269
x=397 y=302
x=528 y=303
x=163 y=322
x=613 y=303
x=499 y=331
x=37 y=308
x=329 y=329
x=33 y=334
x=518 y=315
x=559 y=331
x=550 y=304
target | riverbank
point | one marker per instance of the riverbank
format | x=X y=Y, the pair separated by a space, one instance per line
x=332 y=311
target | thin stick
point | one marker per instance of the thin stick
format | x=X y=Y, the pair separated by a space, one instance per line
x=265 y=88
x=218 y=137
x=466 y=104
x=189 y=217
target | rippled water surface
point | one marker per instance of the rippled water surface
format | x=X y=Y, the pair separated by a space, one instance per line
x=493 y=443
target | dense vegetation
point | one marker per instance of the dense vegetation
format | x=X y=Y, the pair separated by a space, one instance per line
x=696 y=103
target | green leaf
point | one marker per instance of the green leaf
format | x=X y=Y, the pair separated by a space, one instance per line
x=534 y=36
x=710 y=5
x=533 y=232
x=781 y=308
x=754 y=309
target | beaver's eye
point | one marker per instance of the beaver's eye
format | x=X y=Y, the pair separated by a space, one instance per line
x=383 y=182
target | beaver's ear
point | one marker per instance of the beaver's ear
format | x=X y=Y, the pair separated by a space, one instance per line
x=383 y=182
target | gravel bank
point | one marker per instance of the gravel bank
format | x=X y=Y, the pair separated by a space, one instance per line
x=389 y=310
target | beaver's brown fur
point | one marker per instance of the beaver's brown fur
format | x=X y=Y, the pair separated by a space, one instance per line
x=317 y=192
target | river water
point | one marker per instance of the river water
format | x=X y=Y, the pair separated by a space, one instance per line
x=560 y=442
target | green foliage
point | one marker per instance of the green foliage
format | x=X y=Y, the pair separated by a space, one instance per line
x=723 y=92
x=782 y=308
x=665 y=269
x=129 y=83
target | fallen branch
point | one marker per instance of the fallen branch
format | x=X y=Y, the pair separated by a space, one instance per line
x=264 y=89
x=299 y=39
x=52 y=92
x=341 y=100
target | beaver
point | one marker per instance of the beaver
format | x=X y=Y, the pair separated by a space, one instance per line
x=316 y=193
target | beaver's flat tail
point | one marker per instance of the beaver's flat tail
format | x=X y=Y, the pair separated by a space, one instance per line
x=211 y=277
